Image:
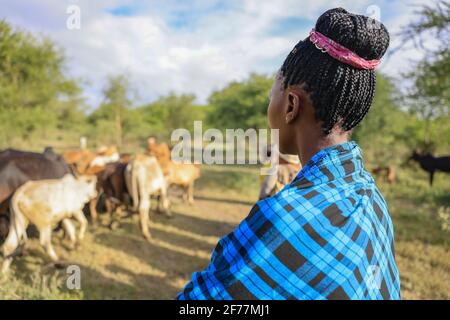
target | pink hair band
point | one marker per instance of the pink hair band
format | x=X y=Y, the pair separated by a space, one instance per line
x=339 y=52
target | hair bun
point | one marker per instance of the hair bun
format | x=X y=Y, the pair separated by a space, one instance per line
x=365 y=36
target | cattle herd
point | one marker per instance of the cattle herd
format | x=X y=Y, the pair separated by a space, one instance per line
x=47 y=189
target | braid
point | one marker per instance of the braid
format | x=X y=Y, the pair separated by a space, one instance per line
x=341 y=94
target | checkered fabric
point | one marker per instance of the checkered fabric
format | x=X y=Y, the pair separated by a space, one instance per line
x=326 y=235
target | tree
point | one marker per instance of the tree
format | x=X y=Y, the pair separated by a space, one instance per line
x=116 y=103
x=380 y=134
x=33 y=86
x=172 y=112
x=241 y=104
x=429 y=97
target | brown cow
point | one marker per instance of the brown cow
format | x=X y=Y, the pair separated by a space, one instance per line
x=183 y=175
x=79 y=159
x=4 y=226
x=89 y=163
x=111 y=183
x=289 y=166
x=159 y=150
x=177 y=174
x=388 y=173
x=105 y=155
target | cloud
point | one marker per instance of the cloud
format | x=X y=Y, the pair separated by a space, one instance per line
x=194 y=47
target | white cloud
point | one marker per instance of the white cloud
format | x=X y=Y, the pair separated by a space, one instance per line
x=214 y=48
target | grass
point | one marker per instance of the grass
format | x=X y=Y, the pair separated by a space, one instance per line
x=422 y=246
x=120 y=264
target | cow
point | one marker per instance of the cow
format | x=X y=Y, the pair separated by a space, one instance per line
x=105 y=155
x=430 y=164
x=183 y=176
x=288 y=167
x=79 y=159
x=92 y=163
x=111 y=183
x=125 y=157
x=159 y=150
x=44 y=203
x=4 y=226
x=388 y=173
x=144 y=177
x=18 y=167
x=177 y=174
x=88 y=162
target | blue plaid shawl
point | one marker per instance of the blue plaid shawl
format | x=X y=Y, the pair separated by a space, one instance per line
x=326 y=235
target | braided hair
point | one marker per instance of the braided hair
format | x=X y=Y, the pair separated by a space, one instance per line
x=341 y=94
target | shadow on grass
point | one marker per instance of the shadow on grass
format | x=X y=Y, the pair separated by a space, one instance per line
x=202 y=227
x=95 y=285
x=222 y=200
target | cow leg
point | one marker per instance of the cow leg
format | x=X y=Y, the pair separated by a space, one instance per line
x=6 y=265
x=45 y=235
x=93 y=211
x=431 y=177
x=18 y=227
x=113 y=214
x=109 y=205
x=4 y=227
x=9 y=248
x=164 y=200
x=127 y=201
x=109 y=210
x=70 y=232
x=132 y=187
x=184 y=193
x=158 y=207
x=144 y=209
x=79 y=216
x=115 y=217
x=190 y=193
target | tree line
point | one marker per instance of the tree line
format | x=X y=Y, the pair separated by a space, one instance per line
x=39 y=102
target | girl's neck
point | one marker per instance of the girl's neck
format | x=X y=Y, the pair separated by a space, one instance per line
x=311 y=144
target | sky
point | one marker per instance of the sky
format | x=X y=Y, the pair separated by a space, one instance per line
x=195 y=46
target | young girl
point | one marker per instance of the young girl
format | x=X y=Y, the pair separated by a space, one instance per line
x=327 y=234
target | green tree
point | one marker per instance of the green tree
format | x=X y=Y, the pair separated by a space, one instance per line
x=241 y=104
x=172 y=112
x=381 y=133
x=33 y=86
x=429 y=96
x=108 y=118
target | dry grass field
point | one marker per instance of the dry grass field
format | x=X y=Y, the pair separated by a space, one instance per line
x=120 y=264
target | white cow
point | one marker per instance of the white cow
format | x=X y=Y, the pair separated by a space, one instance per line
x=101 y=161
x=44 y=203
x=144 y=178
x=104 y=156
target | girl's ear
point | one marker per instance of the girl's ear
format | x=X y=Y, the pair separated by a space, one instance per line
x=293 y=107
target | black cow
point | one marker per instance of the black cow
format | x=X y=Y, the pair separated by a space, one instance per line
x=431 y=164
x=18 y=167
x=111 y=185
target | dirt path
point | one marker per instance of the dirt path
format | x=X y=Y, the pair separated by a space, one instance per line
x=120 y=264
